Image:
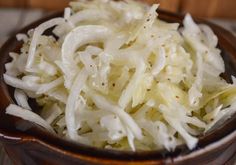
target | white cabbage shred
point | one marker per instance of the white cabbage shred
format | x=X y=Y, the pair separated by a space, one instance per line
x=118 y=77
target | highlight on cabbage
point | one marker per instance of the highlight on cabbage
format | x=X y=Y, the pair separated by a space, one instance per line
x=113 y=75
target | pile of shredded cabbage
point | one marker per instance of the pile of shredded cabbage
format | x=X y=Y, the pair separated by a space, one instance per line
x=115 y=76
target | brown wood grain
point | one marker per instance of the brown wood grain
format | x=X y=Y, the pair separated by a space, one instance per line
x=49 y=4
x=200 y=8
x=209 y=8
x=171 y=5
x=12 y=3
x=225 y=9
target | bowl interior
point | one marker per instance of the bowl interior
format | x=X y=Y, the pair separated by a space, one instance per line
x=14 y=128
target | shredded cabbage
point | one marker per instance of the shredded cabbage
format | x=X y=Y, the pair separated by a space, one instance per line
x=21 y=99
x=115 y=76
x=28 y=115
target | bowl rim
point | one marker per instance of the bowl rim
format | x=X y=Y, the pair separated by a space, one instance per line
x=55 y=143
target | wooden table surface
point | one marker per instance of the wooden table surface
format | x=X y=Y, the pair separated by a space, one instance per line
x=20 y=18
x=202 y=8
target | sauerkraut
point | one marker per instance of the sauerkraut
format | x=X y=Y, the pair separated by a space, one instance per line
x=115 y=76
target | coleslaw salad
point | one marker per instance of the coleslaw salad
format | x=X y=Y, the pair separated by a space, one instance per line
x=116 y=76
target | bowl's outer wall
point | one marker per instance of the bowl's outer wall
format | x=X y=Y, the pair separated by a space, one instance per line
x=32 y=153
x=25 y=149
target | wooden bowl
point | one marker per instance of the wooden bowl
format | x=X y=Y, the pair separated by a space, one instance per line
x=28 y=144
